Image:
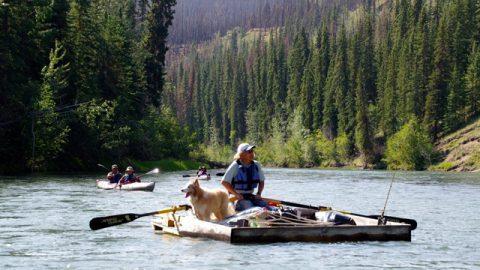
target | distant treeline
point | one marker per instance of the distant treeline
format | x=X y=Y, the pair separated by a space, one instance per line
x=339 y=89
x=81 y=82
x=200 y=20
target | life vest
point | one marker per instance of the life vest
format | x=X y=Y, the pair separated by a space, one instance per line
x=116 y=178
x=247 y=178
x=129 y=177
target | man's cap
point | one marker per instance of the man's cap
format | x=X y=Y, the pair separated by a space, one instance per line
x=244 y=147
x=114 y=166
x=129 y=169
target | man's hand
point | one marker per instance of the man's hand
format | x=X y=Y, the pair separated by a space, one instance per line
x=258 y=196
x=239 y=196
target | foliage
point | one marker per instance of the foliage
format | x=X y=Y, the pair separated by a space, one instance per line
x=81 y=83
x=49 y=131
x=355 y=77
x=410 y=148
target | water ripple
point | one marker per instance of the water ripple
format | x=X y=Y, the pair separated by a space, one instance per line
x=44 y=223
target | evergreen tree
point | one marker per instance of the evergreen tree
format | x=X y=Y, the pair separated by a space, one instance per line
x=305 y=103
x=297 y=60
x=48 y=129
x=454 y=115
x=320 y=61
x=436 y=97
x=159 y=19
x=472 y=79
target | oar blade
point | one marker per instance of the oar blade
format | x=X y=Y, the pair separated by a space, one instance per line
x=220 y=174
x=109 y=221
x=411 y=222
x=156 y=170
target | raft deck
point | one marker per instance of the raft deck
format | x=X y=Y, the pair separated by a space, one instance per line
x=365 y=230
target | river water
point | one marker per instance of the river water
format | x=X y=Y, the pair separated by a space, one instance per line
x=44 y=223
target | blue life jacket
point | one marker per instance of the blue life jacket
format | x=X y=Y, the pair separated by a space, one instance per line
x=116 y=178
x=247 y=178
x=129 y=177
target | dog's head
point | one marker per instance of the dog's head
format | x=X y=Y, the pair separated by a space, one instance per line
x=192 y=188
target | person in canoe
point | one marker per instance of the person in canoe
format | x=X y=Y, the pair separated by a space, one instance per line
x=243 y=176
x=202 y=171
x=114 y=176
x=129 y=176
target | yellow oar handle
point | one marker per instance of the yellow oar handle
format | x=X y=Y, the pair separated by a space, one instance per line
x=183 y=207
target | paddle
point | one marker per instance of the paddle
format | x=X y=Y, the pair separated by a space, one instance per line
x=108 y=221
x=100 y=165
x=156 y=170
x=411 y=222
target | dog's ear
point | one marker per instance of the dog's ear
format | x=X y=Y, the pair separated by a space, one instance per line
x=196 y=183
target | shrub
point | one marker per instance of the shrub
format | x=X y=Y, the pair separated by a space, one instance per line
x=410 y=148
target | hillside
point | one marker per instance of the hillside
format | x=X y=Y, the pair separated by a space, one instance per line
x=321 y=88
x=460 y=150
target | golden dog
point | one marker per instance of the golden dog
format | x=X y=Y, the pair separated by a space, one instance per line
x=206 y=202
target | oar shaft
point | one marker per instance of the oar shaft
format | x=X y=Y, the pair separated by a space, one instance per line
x=167 y=210
x=411 y=222
x=297 y=204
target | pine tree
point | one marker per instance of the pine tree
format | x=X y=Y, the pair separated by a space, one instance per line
x=297 y=60
x=159 y=19
x=320 y=61
x=436 y=97
x=50 y=131
x=472 y=78
x=82 y=47
x=454 y=115
x=305 y=103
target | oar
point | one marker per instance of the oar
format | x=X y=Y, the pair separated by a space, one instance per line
x=411 y=222
x=108 y=221
x=100 y=165
x=220 y=174
x=156 y=170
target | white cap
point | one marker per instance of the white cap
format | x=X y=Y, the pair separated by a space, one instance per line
x=244 y=147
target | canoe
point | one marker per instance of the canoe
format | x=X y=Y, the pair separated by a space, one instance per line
x=365 y=229
x=204 y=177
x=137 y=186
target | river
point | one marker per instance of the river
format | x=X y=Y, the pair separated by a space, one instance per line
x=44 y=223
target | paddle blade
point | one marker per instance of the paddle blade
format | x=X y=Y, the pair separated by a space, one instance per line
x=109 y=221
x=186 y=175
x=100 y=165
x=220 y=174
x=156 y=170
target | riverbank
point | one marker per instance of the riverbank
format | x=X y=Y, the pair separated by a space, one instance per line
x=460 y=150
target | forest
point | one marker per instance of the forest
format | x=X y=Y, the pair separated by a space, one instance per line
x=368 y=83
x=81 y=82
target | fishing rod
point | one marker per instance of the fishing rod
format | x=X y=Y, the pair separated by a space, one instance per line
x=381 y=219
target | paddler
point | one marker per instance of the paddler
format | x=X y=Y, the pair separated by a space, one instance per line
x=114 y=176
x=243 y=176
x=129 y=176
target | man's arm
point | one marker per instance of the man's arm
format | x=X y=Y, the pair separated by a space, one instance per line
x=261 y=185
x=231 y=190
